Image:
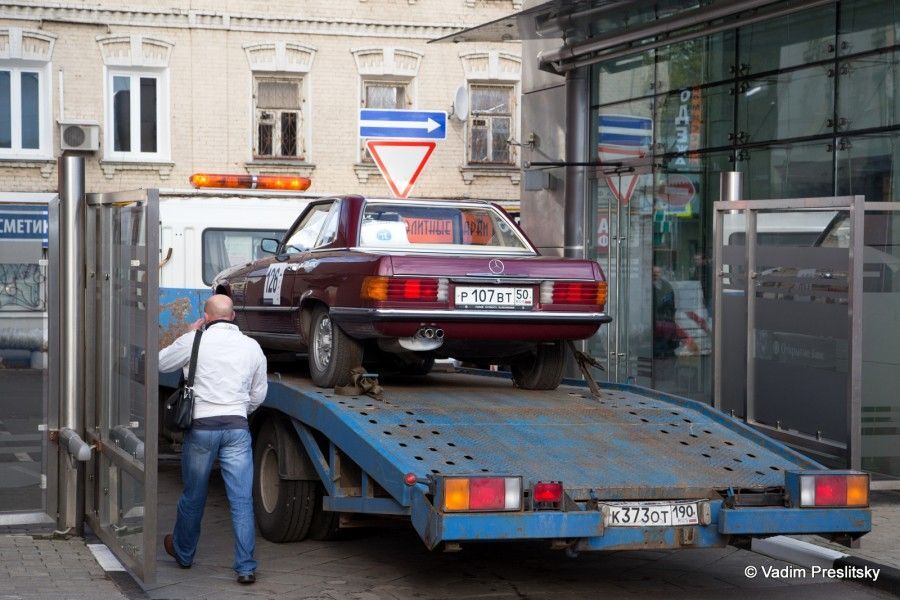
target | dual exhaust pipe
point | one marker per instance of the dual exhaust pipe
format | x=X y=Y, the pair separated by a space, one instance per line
x=430 y=334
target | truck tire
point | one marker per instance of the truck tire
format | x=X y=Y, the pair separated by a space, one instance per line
x=542 y=369
x=325 y=523
x=283 y=508
x=332 y=353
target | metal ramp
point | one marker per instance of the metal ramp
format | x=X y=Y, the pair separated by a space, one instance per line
x=631 y=443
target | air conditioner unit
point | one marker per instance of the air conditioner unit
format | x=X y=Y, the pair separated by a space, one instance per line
x=79 y=135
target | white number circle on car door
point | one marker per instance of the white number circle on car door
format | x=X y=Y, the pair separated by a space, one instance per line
x=274 y=279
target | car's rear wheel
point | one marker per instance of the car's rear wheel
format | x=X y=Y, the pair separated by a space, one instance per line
x=332 y=353
x=283 y=508
x=542 y=369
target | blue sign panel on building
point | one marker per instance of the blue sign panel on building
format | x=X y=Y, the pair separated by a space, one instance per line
x=402 y=124
x=24 y=222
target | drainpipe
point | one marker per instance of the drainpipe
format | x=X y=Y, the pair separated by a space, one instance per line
x=578 y=91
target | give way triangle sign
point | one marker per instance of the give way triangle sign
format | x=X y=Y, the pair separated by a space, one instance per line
x=400 y=162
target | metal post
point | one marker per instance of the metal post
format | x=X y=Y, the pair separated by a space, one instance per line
x=578 y=93
x=749 y=402
x=71 y=334
x=729 y=190
x=855 y=302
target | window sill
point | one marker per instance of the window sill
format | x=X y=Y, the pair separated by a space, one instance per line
x=364 y=171
x=470 y=172
x=110 y=167
x=46 y=165
x=293 y=167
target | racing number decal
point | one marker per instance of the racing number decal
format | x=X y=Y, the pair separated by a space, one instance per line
x=272 y=286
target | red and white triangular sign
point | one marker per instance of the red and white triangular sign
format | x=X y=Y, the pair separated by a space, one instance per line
x=400 y=162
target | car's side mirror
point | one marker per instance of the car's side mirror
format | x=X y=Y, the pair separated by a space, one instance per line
x=269 y=245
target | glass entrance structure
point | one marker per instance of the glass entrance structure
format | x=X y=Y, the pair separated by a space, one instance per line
x=632 y=110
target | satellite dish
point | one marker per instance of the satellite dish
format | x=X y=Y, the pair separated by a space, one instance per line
x=461 y=103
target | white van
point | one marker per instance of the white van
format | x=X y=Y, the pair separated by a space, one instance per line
x=202 y=232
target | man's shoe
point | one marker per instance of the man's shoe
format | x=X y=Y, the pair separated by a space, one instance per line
x=169 y=544
x=246 y=579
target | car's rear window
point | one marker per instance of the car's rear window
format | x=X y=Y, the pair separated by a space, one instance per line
x=439 y=227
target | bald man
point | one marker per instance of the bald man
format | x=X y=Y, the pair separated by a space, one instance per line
x=229 y=384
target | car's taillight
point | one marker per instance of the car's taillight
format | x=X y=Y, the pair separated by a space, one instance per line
x=404 y=288
x=482 y=493
x=573 y=292
x=834 y=490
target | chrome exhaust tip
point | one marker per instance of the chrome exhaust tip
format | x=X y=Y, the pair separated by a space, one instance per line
x=439 y=334
x=428 y=332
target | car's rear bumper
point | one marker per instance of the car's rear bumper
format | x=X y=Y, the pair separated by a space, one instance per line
x=365 y=315
x=465 y=325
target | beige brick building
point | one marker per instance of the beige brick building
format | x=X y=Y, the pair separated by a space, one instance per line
x=170 y=88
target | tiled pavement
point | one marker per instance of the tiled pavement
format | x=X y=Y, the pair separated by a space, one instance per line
x=45 y=568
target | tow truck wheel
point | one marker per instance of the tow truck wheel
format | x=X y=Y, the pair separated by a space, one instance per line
x=325 y=523
x=332 y=353
x=283 y=508
x=542 y=369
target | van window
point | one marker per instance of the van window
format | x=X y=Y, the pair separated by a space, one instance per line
x=223 y=248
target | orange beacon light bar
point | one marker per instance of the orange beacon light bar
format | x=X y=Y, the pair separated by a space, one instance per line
x=292 y=183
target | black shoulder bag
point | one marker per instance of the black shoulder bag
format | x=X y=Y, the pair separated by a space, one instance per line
x=179 y=409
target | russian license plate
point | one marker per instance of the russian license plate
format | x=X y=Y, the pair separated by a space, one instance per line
x=493 y=297
x=650 y=514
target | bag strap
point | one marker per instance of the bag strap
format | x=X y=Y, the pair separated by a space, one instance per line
x=189 y=382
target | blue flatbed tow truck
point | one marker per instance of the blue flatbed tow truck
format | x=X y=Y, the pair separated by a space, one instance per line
x=469 y=457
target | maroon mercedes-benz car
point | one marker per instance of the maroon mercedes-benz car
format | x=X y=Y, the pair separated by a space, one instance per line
x=411 y=280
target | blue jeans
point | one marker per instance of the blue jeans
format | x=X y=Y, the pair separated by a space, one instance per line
x=201 y=449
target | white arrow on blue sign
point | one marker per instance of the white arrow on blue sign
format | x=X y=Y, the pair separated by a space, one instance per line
x=402 y=124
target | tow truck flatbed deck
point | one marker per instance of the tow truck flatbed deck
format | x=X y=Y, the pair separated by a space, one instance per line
x=628 y=444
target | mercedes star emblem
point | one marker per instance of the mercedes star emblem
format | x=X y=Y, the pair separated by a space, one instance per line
x=496 y=266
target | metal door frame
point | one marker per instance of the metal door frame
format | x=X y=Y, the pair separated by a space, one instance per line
x=99 y=313
x=857 y=208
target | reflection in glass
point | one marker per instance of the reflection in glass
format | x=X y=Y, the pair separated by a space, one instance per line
x=867 y=92
x=31 y=104
x=5 y=110
x=794 y=171
x=695 y=62
x=868 y=166
x=792 y=40
x=788 y=105
x=122 y=113
x=148 y=114
x=23 y=372
x=627 y=77
x=868 y=24
x=690 y=119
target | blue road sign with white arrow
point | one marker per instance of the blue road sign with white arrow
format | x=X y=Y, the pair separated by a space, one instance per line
x=404 y=124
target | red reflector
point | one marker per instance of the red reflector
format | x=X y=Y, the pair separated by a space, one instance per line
x=487 y=493
x=831 y=490
x=410 y=479
x=548 y=492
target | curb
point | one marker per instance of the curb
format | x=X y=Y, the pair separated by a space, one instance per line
x=809 y=555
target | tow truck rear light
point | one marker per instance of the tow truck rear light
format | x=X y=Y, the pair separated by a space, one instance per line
x=468 y=494
x=382 y=288
x=547 y=492
x=834 y=490
x=251 y=182
x=573 y=292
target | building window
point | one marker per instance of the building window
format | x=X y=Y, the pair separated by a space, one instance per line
x=490 y=124
x=279 y=118
x=383 y=94
x=137 y=124
x=23 y=112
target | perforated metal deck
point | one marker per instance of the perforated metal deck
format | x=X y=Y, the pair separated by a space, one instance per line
x=629 y=443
